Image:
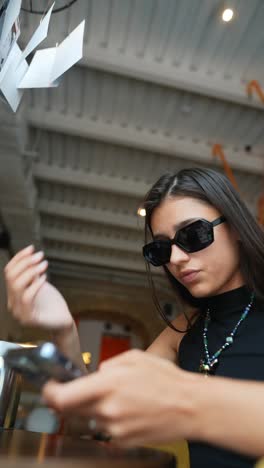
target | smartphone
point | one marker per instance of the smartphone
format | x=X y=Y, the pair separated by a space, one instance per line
x=42 y=363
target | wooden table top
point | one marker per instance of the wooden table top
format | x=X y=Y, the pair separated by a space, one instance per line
x=25 y=449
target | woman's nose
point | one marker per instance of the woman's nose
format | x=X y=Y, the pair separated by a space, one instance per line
x=178 y=255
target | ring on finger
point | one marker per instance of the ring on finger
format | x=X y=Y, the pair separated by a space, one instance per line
x=92 y=424
x=98 y=435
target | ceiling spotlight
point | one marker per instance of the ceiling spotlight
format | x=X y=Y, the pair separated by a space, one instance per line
x=227 y=15
x=141 y=212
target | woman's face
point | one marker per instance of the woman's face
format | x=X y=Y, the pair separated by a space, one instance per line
x=210 y=271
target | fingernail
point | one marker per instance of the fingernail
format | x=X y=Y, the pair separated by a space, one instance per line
x=38 y=256
x=29 y=248
x=42 y=265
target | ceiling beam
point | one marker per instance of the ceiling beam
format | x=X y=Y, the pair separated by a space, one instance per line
x=174 y=146
x=85 y=239
x=165 y=74
x=79 y=178
x=101 y=183
x=89 y=259
x=66 y=210
x=82 y=272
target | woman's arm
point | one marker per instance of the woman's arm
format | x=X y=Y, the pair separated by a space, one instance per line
x=35 y=302
x=68 y=342
x=166 y=345
x=229 y=413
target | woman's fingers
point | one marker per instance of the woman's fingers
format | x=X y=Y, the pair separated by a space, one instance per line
x=131 y=358
x=28 y=276
x=82 y=391
x=18 y=288
x=126 y=358
x=23 y=308
x=31 y=292
x=20 y=255
x=18 y=268
x=20 y=272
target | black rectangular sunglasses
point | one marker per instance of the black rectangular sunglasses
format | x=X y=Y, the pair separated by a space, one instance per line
x=191 y=238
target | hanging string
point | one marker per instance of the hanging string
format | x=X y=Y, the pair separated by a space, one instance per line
x=42 y=12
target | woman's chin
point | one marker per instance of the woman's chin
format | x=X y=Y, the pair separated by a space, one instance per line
x=199 y=290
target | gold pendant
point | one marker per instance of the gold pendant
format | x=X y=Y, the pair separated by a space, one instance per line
x=204 y=368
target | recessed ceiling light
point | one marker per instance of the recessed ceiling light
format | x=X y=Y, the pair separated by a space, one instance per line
x=141 y=212
x=227 y=15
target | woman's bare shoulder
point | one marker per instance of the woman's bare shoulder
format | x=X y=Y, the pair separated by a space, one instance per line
x=167 y=343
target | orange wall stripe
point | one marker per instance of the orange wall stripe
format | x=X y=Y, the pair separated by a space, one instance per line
x=252 y=86
x=217 y=151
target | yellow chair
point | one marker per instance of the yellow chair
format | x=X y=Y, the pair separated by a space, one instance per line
x=260 y=463
x=181 y=452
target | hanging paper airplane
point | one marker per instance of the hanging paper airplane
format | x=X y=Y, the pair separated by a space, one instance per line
x=46 y=66
x=9 y=27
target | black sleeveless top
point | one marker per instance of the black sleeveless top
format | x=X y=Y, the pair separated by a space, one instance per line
x=244 y=359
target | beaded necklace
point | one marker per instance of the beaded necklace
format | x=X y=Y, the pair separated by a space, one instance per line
x=207 y=365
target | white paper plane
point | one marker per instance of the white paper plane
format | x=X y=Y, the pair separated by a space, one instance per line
x=38 y=75
x=39 y=35
x=69 y=51
x=47 y=65
x=15 y=66
x=10 y=29
x=11 y=14
x=12 y=78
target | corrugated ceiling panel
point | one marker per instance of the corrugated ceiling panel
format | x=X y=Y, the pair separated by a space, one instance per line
x=186 y=33
x=93 y=251
x=97 y=158
x=91 y=229
x=87 y=198
x=127 y=102
x=120 y=162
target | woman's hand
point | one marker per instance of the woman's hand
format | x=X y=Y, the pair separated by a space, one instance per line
x=31 y=299
x=136 y=397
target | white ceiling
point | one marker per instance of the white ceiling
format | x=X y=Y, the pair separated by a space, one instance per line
x=161 y=81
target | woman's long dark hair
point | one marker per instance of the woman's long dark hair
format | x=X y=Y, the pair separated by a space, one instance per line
x=215 y=189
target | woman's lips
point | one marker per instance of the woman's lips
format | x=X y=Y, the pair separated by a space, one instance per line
x=189 y=276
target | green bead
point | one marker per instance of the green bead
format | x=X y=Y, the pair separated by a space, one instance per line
x=229 y=339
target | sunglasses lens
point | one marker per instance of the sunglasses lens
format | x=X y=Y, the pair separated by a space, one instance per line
x=195 y=236
x=158 y=252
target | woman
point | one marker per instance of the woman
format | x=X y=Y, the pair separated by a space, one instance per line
x=211 y=249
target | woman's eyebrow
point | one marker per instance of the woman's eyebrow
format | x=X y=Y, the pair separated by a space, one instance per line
x=176 y=227
x=184 y=223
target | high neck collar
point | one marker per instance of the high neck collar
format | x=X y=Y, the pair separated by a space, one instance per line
x=223 y=304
